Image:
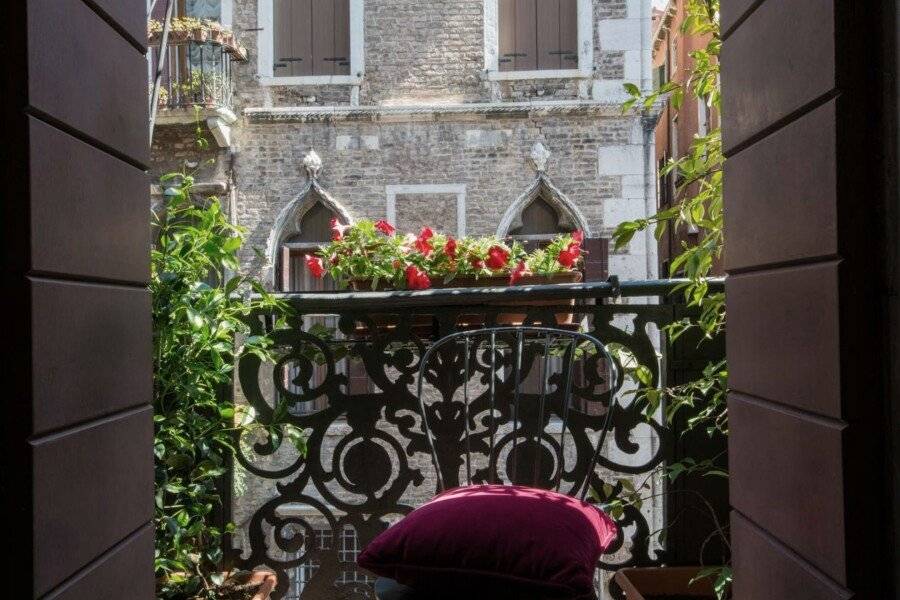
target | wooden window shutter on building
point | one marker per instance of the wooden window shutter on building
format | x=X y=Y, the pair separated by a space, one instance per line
x=312 y=37
x=596 y=259
x=538 y=34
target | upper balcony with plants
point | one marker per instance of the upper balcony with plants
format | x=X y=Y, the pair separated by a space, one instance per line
x=194 y=59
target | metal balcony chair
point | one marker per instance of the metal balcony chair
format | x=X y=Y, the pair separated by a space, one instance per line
x=512 y=420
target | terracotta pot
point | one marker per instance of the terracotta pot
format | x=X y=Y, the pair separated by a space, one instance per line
x=469 y=281
x=650 y=583
x=518 y=318
x=267 y=581
x=200 y=34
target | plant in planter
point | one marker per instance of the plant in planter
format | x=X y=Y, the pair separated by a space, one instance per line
x=198 y=312
x=699 y=206
x=187 y=29
x=372 y=255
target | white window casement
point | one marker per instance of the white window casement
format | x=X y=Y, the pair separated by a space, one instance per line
x=531 y=39
x=310 y=42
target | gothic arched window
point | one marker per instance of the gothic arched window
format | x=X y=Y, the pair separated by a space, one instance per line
x=540 y=224
x=312 y=230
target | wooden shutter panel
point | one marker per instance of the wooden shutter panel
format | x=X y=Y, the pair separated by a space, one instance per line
x=507 y=42
x=301 y=38
x=526 y=35
x=342 y=37
x=323 y=37
x=568 y=34
x=596 y=259
x=548 y=34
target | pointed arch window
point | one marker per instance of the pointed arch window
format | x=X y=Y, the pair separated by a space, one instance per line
x=540 y=224
x=313 y=229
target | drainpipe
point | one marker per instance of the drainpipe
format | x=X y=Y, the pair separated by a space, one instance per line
x=648 y=123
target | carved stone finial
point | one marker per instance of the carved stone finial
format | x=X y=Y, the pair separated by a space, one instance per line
x=539 y=157
x=313 y=164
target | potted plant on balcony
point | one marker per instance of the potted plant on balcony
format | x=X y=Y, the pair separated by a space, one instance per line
x=372 y=256
x=199 y=331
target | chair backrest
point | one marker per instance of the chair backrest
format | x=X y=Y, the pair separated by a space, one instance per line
x=523 y=405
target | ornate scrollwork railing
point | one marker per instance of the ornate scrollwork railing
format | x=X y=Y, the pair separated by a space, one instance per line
x=346 y=375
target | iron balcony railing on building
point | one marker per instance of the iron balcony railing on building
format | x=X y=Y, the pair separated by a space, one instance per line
x=345 y=374
x=197 y=71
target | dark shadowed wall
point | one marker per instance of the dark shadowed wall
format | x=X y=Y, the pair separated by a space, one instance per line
x=77 y=472
x=807 y=187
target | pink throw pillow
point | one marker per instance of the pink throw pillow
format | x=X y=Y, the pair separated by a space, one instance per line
x=495 y=540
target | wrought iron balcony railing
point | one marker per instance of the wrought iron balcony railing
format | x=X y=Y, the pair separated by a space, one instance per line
x=346 y=371
x=197 y=72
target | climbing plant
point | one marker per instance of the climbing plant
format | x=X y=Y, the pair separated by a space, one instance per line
x=199 y=310
x=698 y=206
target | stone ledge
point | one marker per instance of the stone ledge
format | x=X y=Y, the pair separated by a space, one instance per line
x=434 y=112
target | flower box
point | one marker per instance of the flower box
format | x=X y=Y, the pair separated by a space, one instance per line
x=370 y=256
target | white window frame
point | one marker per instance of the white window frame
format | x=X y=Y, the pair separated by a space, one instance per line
x=392 y=191
x=492 y=47
x=265 y=60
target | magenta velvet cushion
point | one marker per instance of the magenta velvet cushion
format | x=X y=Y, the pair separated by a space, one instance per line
x=506 y=541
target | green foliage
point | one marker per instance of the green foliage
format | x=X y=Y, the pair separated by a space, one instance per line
x=199 y=307
x=374 y=252
x=698 y=206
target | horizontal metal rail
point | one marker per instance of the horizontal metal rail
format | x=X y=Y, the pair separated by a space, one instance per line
x=369 y=301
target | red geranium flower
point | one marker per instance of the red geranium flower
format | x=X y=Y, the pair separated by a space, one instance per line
x=385 y=227
x=423 y=242
x=314 y=264
x=569 y=256
x=338 y=229
x=497 y=258
x=578 y=236
x=476 y=262
x=450 y=248
x=416 y=278
x=518 y=272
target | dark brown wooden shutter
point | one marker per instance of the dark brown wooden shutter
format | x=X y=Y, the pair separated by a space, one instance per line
x=301 y=56
x=341 y=37
x=568 y=34
x=526 y=35
x=323 y=37
x=548 y=34
x=507 y=42
x=538 y=34
x=293 y=44
x=312 y=37
x=596 y=259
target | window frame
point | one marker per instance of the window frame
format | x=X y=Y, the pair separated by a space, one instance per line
x=265 y=39
x=492 y=47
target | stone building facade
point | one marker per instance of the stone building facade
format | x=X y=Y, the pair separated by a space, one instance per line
x=428 y=125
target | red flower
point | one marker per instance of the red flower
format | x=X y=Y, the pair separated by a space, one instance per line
x=497 y=258
x=476 y=262
x=518 y=272
x=314 y=264
x=338 y=229
x=385 y=227
x=569 y=256
x=578 y=236
x=416 y=278
x=423 y=242
x=450 y=248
